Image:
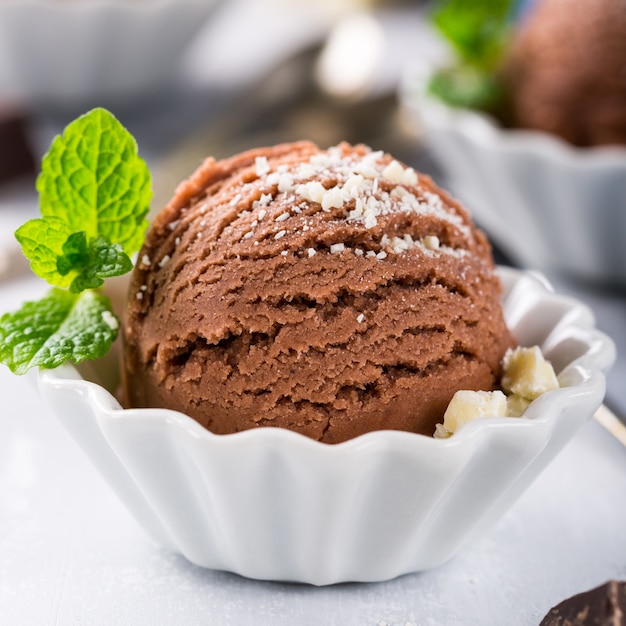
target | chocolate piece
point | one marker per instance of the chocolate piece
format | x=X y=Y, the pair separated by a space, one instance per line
x=16 y=156
x=328 y=292
x=603 y=606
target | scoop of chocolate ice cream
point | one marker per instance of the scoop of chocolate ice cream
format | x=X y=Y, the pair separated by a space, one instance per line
x=331 y=292
x=566 y=73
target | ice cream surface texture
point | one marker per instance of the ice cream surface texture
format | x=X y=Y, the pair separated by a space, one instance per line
x=331 y=292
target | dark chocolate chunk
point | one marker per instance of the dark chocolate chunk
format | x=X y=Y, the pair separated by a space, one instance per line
x=603 y=606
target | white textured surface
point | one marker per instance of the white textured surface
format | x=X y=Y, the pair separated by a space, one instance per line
x=71 y=554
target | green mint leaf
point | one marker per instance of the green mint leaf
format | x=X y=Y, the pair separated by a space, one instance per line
x=478 y=30
x=75 y=253
x=93 y=262
x=109 y=259
x=467 y=87
x=94 y=192
x=60 y=327
x=42 y=242
x=69 y=260
x=94 y=180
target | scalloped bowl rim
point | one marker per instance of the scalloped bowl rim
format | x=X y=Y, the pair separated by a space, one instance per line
x=588 y=375
x=107 y=405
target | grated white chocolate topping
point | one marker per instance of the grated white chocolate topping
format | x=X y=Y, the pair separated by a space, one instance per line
x=362 y=184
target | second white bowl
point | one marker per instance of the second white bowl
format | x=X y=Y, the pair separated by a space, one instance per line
x=549 y=205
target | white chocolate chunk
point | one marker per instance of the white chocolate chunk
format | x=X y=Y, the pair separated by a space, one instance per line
x=409 y=177
x=313 y=191
x=441 y=432
x=466 y=406
x=516 y=405
x=527 y=373
x=332 y=199
x=262 y=165
x=393 y=172
x=431 y=242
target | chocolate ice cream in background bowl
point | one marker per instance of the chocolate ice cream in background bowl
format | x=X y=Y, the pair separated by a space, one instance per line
x=548 y=184
x=297 y=322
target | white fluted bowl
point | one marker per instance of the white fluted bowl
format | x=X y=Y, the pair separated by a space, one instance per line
x=93 y=51
x=550 y=205
x=272 y=504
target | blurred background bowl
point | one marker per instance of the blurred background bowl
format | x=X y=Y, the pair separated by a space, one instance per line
x=548 y=205
x=88 y=52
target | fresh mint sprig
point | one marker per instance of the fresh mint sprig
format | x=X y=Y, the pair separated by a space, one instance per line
x=94 y=195
x=60 y=327
x=479 y=32
x=92 y=181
